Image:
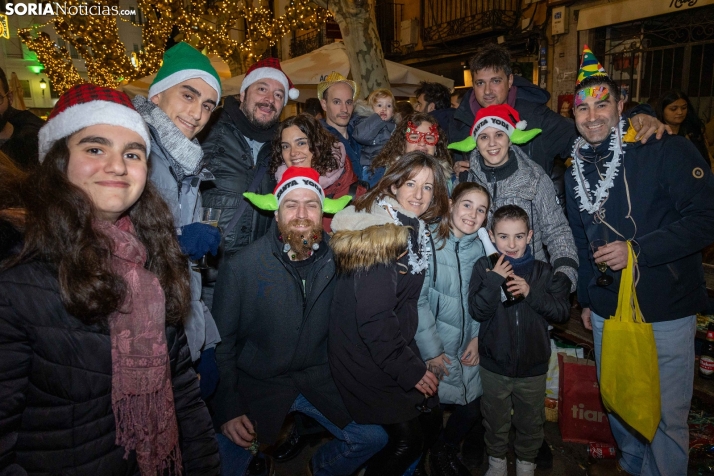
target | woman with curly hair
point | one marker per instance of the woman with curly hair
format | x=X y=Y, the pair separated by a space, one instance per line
x=418 y=131
x=302 y=142
x=95 y=370
x=382 y=248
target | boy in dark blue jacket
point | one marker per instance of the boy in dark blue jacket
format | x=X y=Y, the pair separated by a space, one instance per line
x=514 y=347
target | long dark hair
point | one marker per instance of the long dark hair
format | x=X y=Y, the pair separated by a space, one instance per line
x=405 y=168
x=397 y=143
x=59 y=232
x=322 y=144
x=692 y=125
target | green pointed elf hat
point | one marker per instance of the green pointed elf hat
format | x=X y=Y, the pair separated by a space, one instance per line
x=501 y=116
x=294 y=178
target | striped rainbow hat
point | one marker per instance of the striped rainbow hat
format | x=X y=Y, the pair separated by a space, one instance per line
x=589 y=66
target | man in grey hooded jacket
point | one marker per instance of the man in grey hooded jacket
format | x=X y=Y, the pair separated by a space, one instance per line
x=181 y=99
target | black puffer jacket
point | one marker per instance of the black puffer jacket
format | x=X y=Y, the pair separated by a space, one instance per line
x=373 y=355
x=513 y=341
x=229 y=157
x=56 y=386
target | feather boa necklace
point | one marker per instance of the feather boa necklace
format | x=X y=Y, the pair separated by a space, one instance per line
x=417 y=262
x=582 y=187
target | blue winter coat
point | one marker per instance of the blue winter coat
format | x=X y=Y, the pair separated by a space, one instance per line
x=445 y=325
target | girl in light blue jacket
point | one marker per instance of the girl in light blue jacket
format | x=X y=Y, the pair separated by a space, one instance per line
x=447 y=335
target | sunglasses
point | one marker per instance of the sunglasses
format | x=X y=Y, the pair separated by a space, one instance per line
x=415 y=137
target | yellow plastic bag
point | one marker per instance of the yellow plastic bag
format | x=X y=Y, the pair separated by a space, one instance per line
x=629 y=374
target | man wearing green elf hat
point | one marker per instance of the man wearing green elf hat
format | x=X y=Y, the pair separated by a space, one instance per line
x=181 y=99
x=658 y=200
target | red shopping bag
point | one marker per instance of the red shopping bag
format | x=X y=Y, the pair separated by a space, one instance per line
x=581 y=416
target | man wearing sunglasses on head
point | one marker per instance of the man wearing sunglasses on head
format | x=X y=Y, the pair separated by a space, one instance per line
x=18 y=129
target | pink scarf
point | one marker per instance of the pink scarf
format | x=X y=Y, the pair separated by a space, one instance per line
x=142 y=396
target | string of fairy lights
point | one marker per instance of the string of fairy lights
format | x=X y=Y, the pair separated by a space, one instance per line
x=206 y=27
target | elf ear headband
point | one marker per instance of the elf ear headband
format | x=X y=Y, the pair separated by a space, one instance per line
x=269 y=202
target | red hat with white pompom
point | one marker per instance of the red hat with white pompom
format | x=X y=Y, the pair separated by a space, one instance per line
x=269 y=68
x=502 y=117
x=89 y=105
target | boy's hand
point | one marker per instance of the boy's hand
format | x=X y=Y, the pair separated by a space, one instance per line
x=470 y=356
x=503 y=267
x=518 y=285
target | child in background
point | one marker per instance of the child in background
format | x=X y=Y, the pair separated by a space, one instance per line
x=446 y=335
x=514 y=346
x=375 y=121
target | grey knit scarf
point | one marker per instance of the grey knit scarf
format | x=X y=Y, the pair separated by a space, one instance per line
x=185 y=154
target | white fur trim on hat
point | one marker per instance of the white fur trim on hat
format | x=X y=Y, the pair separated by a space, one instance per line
x=76 y=118
x=270 y=73
x=493 y=121
x=296 y=183
x=184 y=75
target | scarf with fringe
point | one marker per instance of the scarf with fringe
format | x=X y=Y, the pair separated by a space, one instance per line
x=142 y=396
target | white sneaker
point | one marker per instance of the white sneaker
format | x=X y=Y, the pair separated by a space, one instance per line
x=497 y=467
x=524 y=468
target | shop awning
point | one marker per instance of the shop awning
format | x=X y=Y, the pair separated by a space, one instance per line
x=630 y=10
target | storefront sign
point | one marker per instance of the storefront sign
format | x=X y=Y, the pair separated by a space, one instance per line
x=629 y=10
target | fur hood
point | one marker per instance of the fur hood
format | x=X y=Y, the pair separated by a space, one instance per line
x=362 y=108
x=367 y=238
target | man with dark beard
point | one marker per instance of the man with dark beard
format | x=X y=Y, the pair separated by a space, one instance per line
x=272 y=305
x=237 y=151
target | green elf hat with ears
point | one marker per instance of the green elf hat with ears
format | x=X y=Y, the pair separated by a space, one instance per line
x=501 y=116
x=294 y=178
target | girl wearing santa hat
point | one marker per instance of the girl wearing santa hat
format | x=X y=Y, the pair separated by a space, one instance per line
x=95 y=371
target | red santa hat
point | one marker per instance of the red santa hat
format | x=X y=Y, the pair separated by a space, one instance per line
x=88 y=105
x=502 y=117
x=294 y=178
x=299 y=177
x=269 y=68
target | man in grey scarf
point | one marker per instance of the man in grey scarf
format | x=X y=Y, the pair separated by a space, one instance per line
x=181 y=99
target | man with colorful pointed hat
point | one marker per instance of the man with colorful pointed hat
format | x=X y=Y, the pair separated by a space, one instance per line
x=181 y=99
x=660 y=198
x=272 y=305
x=512 y=178
x=237 y=151
x=337 y=95
x=494 y=83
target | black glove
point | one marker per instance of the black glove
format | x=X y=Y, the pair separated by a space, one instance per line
x=197 y=239
x=562 y=280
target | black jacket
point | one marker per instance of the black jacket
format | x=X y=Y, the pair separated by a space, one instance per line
x=22 y=146
x=55 y=388
x=229 y=157
x=373 y=355
x=513 y=341
x=273 y=337
x=671 y=191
